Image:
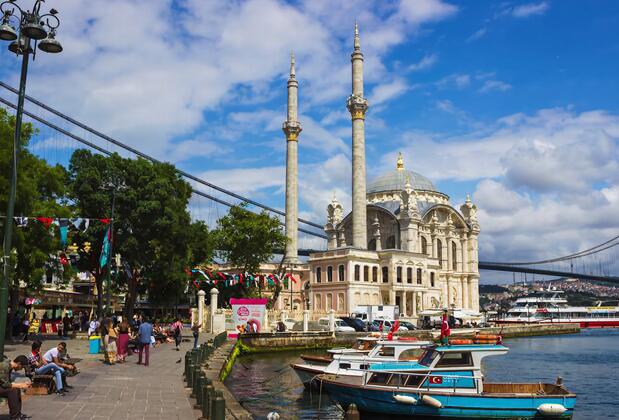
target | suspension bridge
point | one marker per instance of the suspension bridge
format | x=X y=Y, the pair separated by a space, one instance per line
x=59 y=135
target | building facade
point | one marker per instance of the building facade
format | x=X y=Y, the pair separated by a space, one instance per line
x=402 y=244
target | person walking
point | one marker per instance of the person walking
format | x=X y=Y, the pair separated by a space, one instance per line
x=10 y=390
x=123 y=341
x=195 y=328
x=110 y=342
x=177 y=327
x=144 y=333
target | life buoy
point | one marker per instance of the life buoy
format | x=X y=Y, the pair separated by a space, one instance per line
x=408 y=339
x=478 y=341
x=487 y=337
x=460 y=341
x=406 y=399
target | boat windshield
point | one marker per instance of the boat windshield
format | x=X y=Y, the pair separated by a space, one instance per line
x=427 y=357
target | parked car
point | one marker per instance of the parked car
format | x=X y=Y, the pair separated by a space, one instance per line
x=356 y=323
x=386 y=325
x=370 y=327
x=340 y=326
x=288 y=322
x=410 y=326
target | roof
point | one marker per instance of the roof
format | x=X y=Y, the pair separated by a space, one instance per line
x=472 y=347
x=396 y=179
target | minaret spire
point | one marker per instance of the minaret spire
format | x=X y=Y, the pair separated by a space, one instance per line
x=292 y=128
x=357 y=106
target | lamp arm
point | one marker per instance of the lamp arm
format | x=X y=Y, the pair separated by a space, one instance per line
x=47 y=23
x=4 y=8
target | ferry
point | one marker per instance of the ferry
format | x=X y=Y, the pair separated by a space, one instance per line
x=447 y=381
x=354 y=364
x=550 y=306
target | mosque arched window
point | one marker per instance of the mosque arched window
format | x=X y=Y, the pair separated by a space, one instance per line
x=409 y=275
x=357 y=272
x=454 y=256
x=424 y=245
x=391 y=242
x=374 y=274
x=372 y=245
x=340 y=271
x=329 y=274
x=419 y=279
x=439 y=252
x=399 y=274
x=432 y=279
x=366 y=273
x=318 y=274
x=385 y=274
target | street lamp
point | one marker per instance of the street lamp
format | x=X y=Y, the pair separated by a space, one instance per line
x=113 y=185
x=40 y=28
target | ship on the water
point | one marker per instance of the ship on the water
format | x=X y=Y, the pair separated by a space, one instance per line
x=550 y=306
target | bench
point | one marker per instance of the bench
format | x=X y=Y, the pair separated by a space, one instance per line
x=41 y=385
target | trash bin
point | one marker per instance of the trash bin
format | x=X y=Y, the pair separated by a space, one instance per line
x=94 y=344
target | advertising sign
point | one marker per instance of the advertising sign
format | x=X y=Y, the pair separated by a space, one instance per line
x=248 y=315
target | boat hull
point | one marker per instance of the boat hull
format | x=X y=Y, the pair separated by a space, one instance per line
x=581 y=323
x=452 y=406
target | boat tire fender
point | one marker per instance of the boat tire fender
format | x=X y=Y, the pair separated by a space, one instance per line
x=551 y=410
x=431 y=401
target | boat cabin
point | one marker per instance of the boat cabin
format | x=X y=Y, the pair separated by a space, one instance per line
x=448 y=368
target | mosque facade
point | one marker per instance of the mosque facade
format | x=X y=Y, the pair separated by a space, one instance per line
x=403 y=242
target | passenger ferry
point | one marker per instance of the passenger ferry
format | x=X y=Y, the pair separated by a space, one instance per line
x=550 y=306
x=447 y=381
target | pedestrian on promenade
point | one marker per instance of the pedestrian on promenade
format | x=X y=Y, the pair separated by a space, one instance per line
x=12 y=391
x=40 y=366
x=123 y=341
x=195 y=328
x=177 y=328
x=66 y=325
x=110 y=342
x=93 y=326
x=144 y=334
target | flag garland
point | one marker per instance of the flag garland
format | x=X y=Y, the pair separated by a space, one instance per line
x=231 y=279
x=77 y=222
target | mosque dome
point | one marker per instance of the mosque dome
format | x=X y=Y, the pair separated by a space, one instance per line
x=396 y=180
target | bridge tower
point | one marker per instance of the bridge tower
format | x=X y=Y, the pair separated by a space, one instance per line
x=292 y=129
x=357 y=106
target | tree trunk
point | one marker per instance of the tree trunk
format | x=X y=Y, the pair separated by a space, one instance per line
x=99 y=284
x=13 y=304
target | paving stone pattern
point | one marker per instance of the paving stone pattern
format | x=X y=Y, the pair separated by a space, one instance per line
x=122 y=391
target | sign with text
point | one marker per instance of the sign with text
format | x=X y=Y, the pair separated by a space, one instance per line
x=248 y=315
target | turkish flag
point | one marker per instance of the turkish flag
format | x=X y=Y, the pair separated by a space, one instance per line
x=436 y=379
x=445 y=330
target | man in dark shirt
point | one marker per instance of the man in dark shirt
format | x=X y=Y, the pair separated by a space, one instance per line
x=144 y=333
x=12 y=391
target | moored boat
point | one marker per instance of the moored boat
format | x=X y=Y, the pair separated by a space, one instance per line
x=446 y=381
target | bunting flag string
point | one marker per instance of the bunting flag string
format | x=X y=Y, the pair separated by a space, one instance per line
x=231 y=279
x=81 y=223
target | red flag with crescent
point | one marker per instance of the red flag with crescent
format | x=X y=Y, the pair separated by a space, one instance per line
x=436 y=380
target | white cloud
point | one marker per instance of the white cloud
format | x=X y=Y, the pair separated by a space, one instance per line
x=530 y=9
x=426 y=62
x=421 y=11
x=387 y=91
x=495 y=85
x=478 y=34
x=459 y=81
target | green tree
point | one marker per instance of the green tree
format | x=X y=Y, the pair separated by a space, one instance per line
x=40 y=192
x=245 y=240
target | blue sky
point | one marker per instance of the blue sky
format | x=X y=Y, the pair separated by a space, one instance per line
x=512 y=102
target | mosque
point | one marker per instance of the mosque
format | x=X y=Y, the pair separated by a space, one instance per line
x=402 y=243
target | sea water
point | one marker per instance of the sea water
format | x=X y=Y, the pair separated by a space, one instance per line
x=588 y=363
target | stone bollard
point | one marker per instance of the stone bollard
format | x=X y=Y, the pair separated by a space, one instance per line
x=207 y=400
x=190 y=371
x=306 y=320
x=352 y=413
x=186 y=364
x=201 y=380
x=218 y=409
x=195 y=377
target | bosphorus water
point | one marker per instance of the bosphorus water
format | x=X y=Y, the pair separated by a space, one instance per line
x=588 y=363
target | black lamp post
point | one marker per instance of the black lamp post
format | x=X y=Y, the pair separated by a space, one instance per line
x=40 y=28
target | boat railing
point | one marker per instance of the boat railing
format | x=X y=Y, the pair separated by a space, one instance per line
x=426 y=379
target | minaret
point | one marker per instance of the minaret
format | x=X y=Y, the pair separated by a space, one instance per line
x=358 y=105
x=292 y=128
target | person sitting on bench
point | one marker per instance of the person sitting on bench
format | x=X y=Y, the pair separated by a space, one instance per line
x=41 y=366
x=54 y=355
x=12 y=391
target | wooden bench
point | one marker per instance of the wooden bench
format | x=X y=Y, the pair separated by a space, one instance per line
x=41 y=385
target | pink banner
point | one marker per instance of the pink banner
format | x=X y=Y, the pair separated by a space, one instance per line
x=248 y=315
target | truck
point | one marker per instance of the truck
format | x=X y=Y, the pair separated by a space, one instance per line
x=370 y=313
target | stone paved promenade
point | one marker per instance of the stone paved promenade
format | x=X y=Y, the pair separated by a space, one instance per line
x=122 y=391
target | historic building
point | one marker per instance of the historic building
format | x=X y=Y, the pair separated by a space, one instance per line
x=402 y=244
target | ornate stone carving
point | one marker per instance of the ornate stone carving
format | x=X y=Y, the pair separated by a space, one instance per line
x=335 y=212
x=357 y=106
x=434 y=302
x=469 y=211
x=454 y=295
x=408 y=200
x=292 y=129
x=418 y=303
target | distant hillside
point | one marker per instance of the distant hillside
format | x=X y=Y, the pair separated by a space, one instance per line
x=492 y=288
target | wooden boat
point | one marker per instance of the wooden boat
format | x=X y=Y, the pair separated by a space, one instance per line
x=446 y=381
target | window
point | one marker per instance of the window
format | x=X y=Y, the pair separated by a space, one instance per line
x=410 y=354
x=374 y=274
x=391 y=242
x=399 y=274
x=454 y=256
x=453 y=359
x=318 y=274
x=366 y=273
x=317 y=301
x=379 y=378
x=386 y=352
x=432 y=279
x=439 y=252
x=357 y=272
x=413 y=381
x=409 y=275
x=428 y=357
x=340 y=272
x=329 y=274
x=419 y=280
x=424 y=245
x=372 y=245
x=329 y=303
x=385 y=274
x=344 y=365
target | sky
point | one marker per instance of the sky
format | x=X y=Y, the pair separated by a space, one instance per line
x=514 y=103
